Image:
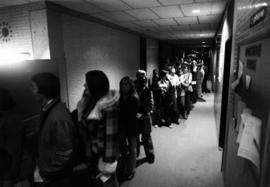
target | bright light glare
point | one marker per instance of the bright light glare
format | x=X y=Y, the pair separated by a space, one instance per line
x=11 y=58
x=196 y=11
x=253 y=6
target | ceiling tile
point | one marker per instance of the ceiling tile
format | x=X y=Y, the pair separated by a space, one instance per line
x=119 y=16
x=128 y=24
x=142 y=14
x=180 y=27
x=110 y=5
x=187 y=20
x=168 y=11
x=168 y=21
x=83 y=7
x=141 y=3
x=146 y=23
x=203 y=1
x=164 y=28
x=175 y=2
x=205 y=9
x=103 y=17
x=11 y=2
x=201 y=27
x=36 y=0
x=218 y=7
x=210 y=18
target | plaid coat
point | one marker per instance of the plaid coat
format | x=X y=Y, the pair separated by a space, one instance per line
x=101 y=129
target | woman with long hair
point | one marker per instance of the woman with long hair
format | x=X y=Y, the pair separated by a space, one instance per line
x=98 y=118
x=129 y=107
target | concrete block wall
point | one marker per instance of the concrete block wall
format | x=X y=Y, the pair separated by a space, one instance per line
x=28 y=31
x=92 y=46
x=19 y=39
x=151 y=57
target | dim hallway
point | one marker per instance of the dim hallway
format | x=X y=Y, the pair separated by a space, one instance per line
x=186 y=155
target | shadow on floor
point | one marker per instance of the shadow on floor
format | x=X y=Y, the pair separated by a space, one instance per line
x=139 y=162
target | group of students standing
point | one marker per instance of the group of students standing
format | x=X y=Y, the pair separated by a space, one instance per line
x=94 y=145
x=176 y=88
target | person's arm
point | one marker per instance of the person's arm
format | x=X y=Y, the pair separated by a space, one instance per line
x=63 y=136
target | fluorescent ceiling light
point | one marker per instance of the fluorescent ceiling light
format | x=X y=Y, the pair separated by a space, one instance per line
x=196 y=11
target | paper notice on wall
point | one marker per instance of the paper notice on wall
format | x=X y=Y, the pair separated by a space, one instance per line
x=249 y=147
x=243 y=118
x=248 y=80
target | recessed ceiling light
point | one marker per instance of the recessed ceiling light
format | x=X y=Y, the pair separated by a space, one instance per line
x=196 y=11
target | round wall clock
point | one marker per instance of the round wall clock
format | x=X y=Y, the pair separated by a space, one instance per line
x=5 y=31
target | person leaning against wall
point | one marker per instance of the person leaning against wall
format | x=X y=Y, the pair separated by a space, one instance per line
x=55 y=137
x=11 y=140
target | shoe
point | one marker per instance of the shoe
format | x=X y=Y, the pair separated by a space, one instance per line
x=155 y=126
x=170 y=126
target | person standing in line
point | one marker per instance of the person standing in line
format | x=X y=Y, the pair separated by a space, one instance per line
x=11 y=140
x=200 y=77
x=55 y=136
x=164 y=100
x=175 y=82
x=154 y=89
x=129 y=108
x=146 y=107
x=187 y=89
x=98 y=116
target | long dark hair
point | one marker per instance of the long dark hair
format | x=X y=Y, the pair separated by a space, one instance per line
x=132 y=91
x=98 y=86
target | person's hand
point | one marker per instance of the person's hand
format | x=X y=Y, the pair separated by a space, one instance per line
x=139 y=115
x=79 y=167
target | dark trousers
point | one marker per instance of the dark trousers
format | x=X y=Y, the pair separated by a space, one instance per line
x=128 y=148
x=63 y=182
x=148 y=147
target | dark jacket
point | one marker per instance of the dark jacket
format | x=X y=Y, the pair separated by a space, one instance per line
x=55 y=139
x=146 y=107
x=128 y=120
x=11 y=142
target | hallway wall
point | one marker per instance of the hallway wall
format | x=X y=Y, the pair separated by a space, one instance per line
x=239 y=171
x=151 y=57
x=90 y=46
x=27 y=31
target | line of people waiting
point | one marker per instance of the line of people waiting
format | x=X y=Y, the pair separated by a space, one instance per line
x=98 y=143
x=94 y=145
x=176 y=88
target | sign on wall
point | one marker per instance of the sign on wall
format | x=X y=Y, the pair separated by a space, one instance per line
x=258 y=17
